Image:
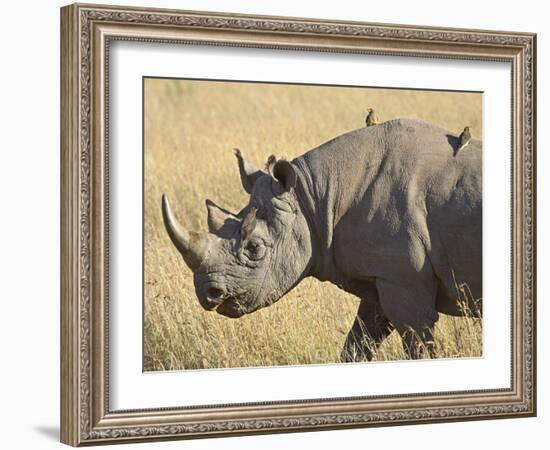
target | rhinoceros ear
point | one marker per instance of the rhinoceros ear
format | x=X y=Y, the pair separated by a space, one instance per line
x=284 y=176
x=217 y=216
x=249 y=173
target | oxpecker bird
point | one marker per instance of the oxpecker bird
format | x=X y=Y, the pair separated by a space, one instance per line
x=248 y=225
x=270 y=161
x=463 y=139
x=371 y=119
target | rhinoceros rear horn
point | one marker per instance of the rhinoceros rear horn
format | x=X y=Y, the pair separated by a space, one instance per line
x=217 y=216
x=249 y=174
x=191 y=245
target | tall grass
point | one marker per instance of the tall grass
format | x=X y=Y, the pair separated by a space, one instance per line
x=190 y=130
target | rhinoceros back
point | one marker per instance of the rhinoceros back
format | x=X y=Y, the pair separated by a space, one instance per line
x=381 y=190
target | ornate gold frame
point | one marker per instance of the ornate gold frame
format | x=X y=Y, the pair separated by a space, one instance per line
x=86 y=31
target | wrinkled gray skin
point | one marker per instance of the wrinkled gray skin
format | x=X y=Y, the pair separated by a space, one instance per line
x=386 y=213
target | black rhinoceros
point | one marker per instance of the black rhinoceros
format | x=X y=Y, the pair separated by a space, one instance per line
x=387 y=213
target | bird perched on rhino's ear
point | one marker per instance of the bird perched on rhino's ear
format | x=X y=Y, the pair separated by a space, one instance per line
x=463 y=140
x=248 y=224
x=371 y=119
x=270 y=161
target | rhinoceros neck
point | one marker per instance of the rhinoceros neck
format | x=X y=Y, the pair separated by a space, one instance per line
x=311 y=209
x=330 y=177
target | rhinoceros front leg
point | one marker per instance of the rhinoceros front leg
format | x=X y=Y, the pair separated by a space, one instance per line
x=411 y=309
x=369 y=329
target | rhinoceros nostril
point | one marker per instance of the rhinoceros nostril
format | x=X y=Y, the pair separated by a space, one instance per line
x=215 y=295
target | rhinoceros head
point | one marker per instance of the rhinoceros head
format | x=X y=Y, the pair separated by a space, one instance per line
x=251 y=259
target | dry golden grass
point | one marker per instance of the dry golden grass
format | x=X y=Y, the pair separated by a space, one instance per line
x=191 y=128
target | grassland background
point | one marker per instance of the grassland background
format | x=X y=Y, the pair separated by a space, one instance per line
x=190 y=129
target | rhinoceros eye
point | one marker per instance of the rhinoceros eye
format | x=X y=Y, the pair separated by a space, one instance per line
x=255 y=250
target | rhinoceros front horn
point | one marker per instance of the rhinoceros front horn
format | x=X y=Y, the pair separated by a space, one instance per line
x=191 y=245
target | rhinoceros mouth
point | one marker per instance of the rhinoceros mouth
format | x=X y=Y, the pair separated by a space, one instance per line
x=231 y=307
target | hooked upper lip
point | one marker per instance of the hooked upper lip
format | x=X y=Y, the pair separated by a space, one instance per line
x=212 y=297
x=215 y=294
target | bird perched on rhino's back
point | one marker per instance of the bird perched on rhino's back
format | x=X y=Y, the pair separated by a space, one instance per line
x=463 y=139
x=371 y=119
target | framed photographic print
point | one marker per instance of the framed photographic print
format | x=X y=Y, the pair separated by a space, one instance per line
x=275 y=225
